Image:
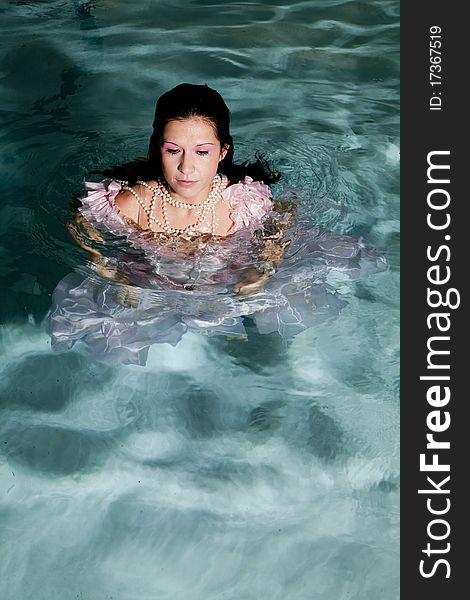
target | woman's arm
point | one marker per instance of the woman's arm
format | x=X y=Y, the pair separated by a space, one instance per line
x=77 y=230
x=82 y=230
x=272 y=248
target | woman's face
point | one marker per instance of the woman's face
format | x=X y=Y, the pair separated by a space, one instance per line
x=190 y=154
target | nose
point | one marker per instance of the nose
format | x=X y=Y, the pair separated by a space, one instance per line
x=186 y=165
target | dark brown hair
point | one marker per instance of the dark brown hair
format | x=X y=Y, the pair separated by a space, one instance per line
x=182 y=102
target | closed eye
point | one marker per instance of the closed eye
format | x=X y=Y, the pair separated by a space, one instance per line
x=172 y=150
x=202 y=152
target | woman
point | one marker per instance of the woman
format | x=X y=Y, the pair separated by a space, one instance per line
x=203 y=245
x=188 y=185
x=191 y=170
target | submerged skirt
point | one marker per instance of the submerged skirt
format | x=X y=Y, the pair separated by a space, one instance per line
x=157 y=298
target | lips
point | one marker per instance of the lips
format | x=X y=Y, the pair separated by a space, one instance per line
x=185 y=182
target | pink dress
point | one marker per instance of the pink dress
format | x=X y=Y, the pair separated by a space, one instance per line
x=175 y=291
x=249 y=202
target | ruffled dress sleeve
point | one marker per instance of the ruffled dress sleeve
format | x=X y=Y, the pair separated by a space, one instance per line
x=99 y=205
x=250 y=202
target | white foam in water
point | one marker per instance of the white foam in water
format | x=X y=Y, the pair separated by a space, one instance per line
x=392 y=154
x=188 y=355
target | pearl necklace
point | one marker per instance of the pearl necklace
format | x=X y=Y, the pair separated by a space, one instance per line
x=219 y=183
x=162 y=191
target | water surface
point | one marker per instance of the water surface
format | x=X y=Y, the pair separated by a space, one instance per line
x=221 y=469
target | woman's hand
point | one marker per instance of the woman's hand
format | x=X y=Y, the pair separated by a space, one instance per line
x=252 y=281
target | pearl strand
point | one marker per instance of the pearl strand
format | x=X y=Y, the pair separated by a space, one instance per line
x=218 y=185
x=162 y=191
x=148 y=211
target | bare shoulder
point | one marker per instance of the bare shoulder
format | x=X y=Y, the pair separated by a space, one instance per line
x=127 y=204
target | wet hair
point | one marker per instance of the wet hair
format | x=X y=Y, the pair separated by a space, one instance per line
x=184 y=101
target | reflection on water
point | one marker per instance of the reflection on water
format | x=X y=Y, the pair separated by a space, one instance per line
x=235 y=468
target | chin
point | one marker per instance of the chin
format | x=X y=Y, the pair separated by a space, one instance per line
x=187 y=192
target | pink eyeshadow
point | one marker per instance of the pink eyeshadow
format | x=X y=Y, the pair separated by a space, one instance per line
x=170 y=145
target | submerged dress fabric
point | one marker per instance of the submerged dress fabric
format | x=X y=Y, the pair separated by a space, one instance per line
x=149 y=292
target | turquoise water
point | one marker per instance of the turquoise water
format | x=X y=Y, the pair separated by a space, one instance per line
x=221 y=469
